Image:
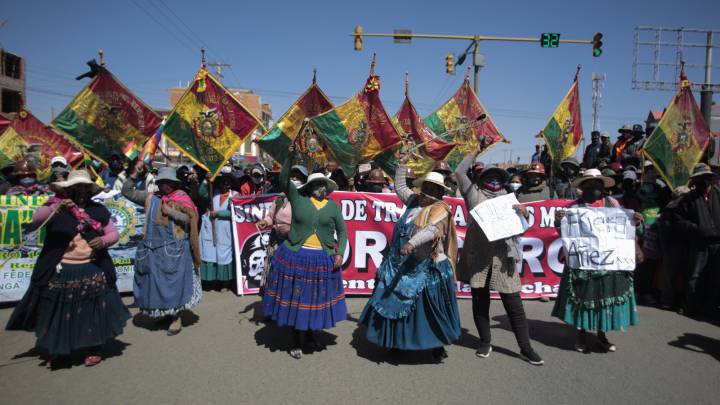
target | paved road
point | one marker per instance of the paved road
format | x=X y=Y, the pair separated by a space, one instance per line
x=225 y=357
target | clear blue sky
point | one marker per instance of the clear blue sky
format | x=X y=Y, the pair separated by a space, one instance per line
x=273 y=47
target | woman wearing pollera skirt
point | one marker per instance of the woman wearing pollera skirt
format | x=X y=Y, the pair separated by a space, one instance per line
x=304 y=287
x=413 y=306
x=599 y=301
x=72 y=302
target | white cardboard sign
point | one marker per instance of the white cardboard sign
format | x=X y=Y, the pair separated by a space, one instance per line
x=498 y=219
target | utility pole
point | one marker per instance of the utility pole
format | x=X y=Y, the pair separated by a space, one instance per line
x=546 y=40
x=706 y=94
x=598 y=82
x=219 y=67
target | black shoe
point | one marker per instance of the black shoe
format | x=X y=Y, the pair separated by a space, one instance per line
x=439 y=354
x=483 y=351
x=531 y=357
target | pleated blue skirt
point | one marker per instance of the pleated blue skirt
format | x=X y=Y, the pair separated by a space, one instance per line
x=304 y=291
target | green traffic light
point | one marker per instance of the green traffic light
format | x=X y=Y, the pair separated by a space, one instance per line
x=597 y=52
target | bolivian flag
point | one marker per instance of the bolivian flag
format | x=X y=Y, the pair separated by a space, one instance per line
x=425 y=145
x=679 y=141
x=105 y=117
x=288 y=128
x=464 y=121
x=359 y=129
x=28 y=137
x=208 y=124
x=563 y=132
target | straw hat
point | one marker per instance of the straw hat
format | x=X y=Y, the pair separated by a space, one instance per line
x=434 y=178
x=593 y=174
x=319 y=177
x=78 y=177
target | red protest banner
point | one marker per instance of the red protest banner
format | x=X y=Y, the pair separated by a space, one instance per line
x=370 y=219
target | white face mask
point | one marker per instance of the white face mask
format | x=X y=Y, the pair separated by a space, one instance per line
x=256 y=180
x=320 y=192
x=297 y=183
x=514 y=186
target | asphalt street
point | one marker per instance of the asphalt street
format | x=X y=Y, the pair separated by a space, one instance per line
x=224 y=355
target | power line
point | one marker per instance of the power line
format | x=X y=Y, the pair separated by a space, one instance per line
x=152 y=17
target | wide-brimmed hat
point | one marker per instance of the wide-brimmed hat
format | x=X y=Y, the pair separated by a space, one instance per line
x=376 y=176
x=604 y=134
x=434 y=178
x=302 y=169
x=593 y=174
x=59 y=159
x=319 y=177
x=442 y=166
x=537 y=168
x=166 y=174
x=492 y=168
x=570 y=160
x=702 y=169
x=78 y=177
x=627 y=128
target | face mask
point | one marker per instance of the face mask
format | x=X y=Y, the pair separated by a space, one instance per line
x=515 y=186
x=375 y=188
x=593 y=192
x=570 y=172
x=297 y=183
x=256 y=180
x=492 y=184
x=535 y=181
x=27 y=181
x=320 y=192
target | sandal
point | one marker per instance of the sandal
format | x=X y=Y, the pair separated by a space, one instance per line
x=92 y=360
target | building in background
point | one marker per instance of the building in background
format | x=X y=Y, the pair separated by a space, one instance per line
x=248 y=151
x=12 y=83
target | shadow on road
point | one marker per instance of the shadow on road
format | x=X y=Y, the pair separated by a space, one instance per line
x=112 y=348
x=257 y=315
x=698 y=343
x=143 y=321
x=379 y=355
x=552 y=334
x=280 y=339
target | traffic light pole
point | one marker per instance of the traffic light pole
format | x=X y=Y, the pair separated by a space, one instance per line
x=476 y=39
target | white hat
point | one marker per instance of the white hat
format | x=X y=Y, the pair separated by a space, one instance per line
x=319 y=177
x=434 y=178
x=593 y=174
x=58 y=159
x=78 y=177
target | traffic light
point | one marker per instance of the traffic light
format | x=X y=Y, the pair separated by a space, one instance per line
x=597 y=44
x=450 y=64
x=358 y=38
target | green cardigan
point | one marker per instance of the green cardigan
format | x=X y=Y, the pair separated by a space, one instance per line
x=306 y=219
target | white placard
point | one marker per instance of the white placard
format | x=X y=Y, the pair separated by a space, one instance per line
x=600 y=239
x=498 y=219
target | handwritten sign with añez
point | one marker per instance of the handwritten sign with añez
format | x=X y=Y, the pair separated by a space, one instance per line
x=498 y=219
x=601 y=239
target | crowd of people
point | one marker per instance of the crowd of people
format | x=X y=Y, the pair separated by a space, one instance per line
x=72 y=303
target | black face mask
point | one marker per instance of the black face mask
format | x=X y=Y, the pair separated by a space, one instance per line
x=375 y=188
x=594 y=193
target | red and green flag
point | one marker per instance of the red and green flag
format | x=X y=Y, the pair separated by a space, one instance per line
x=28 y=137
x=679 y=141
x=291 y=128
x=418 y=138
x=208 y=124
x=563 y=132
x=359 y=129
x=465 y=122
x=131 y=150
x=105 y=117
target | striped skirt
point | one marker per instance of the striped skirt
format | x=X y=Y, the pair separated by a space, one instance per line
x=303 y=290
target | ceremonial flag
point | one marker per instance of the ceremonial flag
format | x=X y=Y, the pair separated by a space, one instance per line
x=28 y=137
x=290 y=127
x=679 y=141
x=105 y=117
x=150 y=147
x=208 y=124
x=563 y=132
x=131 y=151
x=464 y=121
x=418 y=138
x=359 y=129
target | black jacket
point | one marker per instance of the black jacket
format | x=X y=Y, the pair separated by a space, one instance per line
x=698 y=219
